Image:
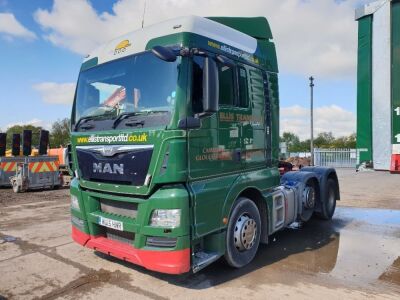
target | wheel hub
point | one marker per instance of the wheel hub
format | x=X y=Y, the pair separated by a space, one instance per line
x=309 y=195
x=245 y=233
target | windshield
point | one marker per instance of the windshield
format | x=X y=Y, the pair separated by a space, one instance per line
x=141 y=83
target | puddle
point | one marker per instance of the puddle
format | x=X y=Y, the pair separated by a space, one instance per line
x=358 y=247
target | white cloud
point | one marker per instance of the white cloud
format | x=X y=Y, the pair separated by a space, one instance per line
x=312 y=37
x=332 y=118
x=35 y=122
x=10 y=27
x=56 y=93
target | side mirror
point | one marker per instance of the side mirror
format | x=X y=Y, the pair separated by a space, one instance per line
x=164 y=53
x=210 y=86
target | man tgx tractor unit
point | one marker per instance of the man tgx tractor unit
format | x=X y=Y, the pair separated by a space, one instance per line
x=175 y=147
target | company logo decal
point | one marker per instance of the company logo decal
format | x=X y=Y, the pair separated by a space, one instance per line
x=108 y=139
x=240 y=118
x=238 y=53
x=121 y=47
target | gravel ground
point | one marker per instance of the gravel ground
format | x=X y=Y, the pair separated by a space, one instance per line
x=369 y=189
x=355 y=256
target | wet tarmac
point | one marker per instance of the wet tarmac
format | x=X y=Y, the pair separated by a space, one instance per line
x=356 y=255
x=358 y=249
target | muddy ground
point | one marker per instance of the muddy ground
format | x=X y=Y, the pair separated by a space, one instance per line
x=355 y=256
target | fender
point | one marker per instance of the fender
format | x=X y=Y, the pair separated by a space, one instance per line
x=298 y=181
x=257 y=182
x=292 y=179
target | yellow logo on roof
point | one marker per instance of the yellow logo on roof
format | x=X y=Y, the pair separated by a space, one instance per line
x=121 y=47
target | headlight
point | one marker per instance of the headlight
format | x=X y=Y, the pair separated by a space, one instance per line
x=169 y=218
x=75 y=202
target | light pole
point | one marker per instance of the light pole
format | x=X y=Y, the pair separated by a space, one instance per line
x=144 y=12
x=312 y=120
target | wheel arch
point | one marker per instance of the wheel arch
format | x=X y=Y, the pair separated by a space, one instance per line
x=256 y=196
x=253 y=187
x=293 y=179
x=323 y=175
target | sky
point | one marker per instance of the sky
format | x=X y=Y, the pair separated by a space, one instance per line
x=43 y=42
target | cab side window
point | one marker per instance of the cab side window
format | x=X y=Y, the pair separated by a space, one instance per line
x=197 y=84
x=243 y=87
x=226 y=84
x=233 y=85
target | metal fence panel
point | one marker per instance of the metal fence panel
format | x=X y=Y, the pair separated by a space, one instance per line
x=336 y=158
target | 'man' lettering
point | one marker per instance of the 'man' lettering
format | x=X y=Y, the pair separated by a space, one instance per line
x=108 y=169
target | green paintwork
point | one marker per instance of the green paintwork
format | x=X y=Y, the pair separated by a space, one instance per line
x=257 y=27
x=162 y=140
x=395 y=71
x=177 y=198
x=364 y=89
x=201 y=171
x=89 y=64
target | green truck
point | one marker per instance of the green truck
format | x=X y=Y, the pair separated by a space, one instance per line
x=175 y=146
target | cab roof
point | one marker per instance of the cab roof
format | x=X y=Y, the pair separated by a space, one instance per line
x=136 y=41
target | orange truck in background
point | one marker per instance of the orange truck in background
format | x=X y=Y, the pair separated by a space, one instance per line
x=61 y=153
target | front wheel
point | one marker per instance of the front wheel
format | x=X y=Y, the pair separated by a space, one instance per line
x=243 y=233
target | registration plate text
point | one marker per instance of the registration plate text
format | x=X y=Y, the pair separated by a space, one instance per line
x=117 y=225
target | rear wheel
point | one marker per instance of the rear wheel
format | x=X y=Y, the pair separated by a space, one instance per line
x=328 y=204
x=243 y=233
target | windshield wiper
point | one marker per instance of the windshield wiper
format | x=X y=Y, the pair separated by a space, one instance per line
x=84 y=120
x=122 y=117
x=134 y=124
x=126 y=115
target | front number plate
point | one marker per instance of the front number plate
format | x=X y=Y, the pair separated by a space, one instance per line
x=111 y=223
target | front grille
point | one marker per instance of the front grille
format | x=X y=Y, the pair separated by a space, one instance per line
x=163 y=242
x=128 y=168
x=125 y=209
x=120 y=236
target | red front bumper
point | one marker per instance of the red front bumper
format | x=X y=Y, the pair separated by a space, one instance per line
x=170 y=262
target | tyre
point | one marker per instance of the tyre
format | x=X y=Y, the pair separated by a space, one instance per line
x=328 y=204
x=243 y=233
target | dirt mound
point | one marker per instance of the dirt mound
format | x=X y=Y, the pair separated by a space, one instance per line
x=299 y=162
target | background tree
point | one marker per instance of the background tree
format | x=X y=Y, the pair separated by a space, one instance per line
x=324 y=140
x=292 y=141
x=60 y=133
x=346 y=142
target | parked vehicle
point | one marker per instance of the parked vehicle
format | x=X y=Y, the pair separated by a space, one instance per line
x=175 y=147
x=28 y=169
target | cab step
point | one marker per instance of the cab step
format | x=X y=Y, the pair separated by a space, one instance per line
x=203 y=259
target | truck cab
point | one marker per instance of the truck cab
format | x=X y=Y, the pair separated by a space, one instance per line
x=175 y=147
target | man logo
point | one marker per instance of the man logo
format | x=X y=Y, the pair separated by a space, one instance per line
x=108 y=169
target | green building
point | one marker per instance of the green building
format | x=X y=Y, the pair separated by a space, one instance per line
x=378 y=83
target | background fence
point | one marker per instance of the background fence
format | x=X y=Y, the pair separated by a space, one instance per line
x=336 y=158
